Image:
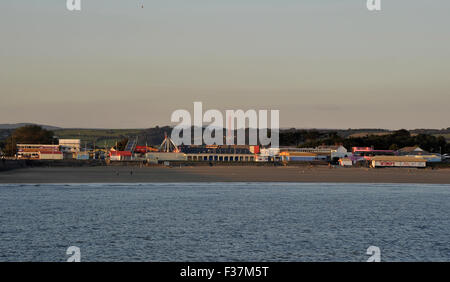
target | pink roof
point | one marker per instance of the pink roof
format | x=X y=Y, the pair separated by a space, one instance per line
x=120 y=153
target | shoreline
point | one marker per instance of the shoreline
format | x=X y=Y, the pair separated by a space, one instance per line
x=204 y=174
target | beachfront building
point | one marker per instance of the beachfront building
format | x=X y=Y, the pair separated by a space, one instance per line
x=417 y=152
x=69 y=145
x=335 y=152
x=38 y=151
x=320 y=153
x=50 y=155
x=120 y=155
x=397 y=161
x=158 y=157
x=292 y=156
x=345 y=162
x=367 y=153
x=70 y=148
x=214 y=153
x=268 y=155
x=221 y=157
x=324 y=149
x=411 y=150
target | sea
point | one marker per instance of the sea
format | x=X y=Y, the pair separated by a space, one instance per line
x=231 y=222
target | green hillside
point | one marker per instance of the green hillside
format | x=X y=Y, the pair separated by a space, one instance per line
x=98 y=136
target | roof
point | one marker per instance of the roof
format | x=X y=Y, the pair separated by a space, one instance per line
x=331 y=147
x=121 y=153
x=397 y=159
x=36 y=150
x=372 y=150
x=362 y=148
x=411 y=149
x=37 y=145
x=298 y=154
x=69 y=141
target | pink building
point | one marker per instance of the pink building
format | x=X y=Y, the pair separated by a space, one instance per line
x=367 y=153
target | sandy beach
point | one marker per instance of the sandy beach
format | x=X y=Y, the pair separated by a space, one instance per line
x=115 y=174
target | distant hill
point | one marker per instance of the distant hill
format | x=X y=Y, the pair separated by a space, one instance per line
x=17 y=125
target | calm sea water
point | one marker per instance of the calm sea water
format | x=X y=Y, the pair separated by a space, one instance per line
x=225 y=222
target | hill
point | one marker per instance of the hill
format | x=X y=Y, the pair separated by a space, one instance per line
x=17 y=125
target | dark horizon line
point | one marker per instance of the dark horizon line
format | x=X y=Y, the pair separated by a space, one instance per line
x=224 y=128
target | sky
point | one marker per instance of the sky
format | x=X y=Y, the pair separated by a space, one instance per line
x=321 y=63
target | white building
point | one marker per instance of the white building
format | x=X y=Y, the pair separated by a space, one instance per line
x=269 y=154
x=345 y=162
x=397 y=161
x=69 y=145
x=336 y=151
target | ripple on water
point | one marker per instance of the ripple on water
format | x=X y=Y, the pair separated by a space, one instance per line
x=224 y=221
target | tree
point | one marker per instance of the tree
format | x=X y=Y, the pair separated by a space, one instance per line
x=402 y=133
x=393 y=147
x=447 y=149
x=28 y=134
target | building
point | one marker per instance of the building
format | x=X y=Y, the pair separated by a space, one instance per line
x=70 y=148
x=335 y=152
x=301 y=157
x=418 y=152
x=367 y=153
x=268 y=155
x=221 y=157
x=157 y=157
x=215 y=153
x=397 y=161
x=120 y=156
x=331 y=152
x=345 y=162
x=50 y=155
x=69 y=145
x=33 y=151
x=410 y=150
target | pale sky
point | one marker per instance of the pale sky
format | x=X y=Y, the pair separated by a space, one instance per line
x=322 y=63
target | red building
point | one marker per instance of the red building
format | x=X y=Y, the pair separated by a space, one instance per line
x=120 y=155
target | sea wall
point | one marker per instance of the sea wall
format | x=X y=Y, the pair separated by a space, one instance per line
x=12 y=164
x=16 y=164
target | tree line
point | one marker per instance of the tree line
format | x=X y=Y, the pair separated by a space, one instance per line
x=28 y=134
x=390 y=141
